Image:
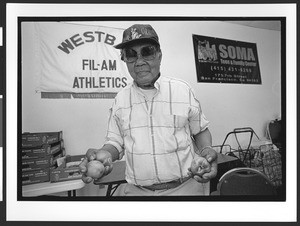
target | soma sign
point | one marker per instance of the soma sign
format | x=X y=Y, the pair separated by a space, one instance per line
x=226 y=61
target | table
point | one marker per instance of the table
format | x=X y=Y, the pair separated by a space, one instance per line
x=117 y=176
x=49 y=188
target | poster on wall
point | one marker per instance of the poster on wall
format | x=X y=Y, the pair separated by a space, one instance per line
x=226 y=61
x=79 y=61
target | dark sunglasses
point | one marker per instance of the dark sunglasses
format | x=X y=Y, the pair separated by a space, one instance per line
x=147 y=53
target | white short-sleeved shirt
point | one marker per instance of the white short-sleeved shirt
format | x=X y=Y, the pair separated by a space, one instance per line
x=155 y=135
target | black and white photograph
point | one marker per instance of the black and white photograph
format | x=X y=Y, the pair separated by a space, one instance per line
x=148 y=107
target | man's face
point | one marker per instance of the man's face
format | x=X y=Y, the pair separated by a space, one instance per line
x=144 y=68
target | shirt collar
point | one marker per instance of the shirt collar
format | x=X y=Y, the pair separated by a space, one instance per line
x=158 y=82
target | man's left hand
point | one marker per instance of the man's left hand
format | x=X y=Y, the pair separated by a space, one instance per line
x=211 y=156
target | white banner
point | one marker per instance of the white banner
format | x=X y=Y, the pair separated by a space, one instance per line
x=79 y=60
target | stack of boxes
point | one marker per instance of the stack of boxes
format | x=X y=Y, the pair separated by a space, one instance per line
x=40 y=152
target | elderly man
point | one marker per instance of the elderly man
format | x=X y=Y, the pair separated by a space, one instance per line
x=157 y=124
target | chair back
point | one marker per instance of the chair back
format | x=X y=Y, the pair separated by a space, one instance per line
x=245 y=181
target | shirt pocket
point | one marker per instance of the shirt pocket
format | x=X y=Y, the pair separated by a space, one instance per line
x=177 y=118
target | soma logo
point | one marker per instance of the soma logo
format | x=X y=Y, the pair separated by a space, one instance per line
x=236 y=52
x=207 y=52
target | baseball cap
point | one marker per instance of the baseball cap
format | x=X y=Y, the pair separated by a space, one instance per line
x=136 y=33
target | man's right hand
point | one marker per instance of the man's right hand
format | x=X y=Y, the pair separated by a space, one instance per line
x=96 y=154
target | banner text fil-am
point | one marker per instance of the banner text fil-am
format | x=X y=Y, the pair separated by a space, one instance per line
x=92 y=65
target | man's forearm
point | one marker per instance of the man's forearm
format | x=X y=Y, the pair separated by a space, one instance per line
x=203 y=139
x=112 y=150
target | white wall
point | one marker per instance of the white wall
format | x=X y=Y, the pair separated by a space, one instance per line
x=227 y=106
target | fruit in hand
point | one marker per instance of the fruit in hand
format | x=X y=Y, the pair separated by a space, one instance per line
x=101 y=155
x=200 y=166
x=95 y=169
x=105 y=158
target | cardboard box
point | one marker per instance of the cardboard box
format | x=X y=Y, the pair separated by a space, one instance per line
x=41 y=163
x=35 y=164
x=58 y=155
x=39 y=139
x=43 y=151
x=37 y=176
x=67 y=170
